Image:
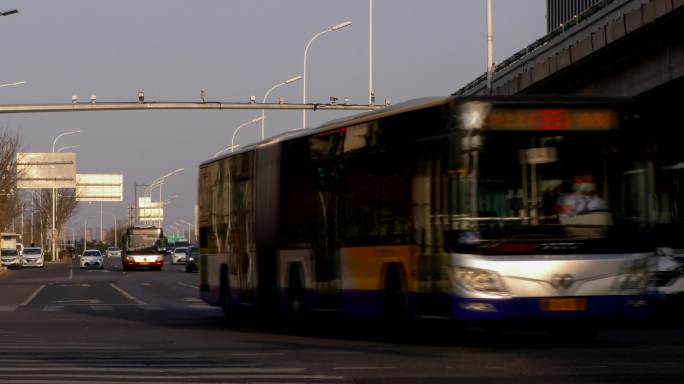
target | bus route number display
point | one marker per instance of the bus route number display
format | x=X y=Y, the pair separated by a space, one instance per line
x=552 y=119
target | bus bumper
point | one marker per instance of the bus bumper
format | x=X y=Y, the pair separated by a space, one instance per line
x=530 y=308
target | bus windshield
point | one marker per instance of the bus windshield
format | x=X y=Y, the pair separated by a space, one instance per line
x=551 y=179
x=146 y=241
x=542 y=185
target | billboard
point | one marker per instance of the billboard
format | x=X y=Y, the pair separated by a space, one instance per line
x=46 y=170
x=149 y=210
x=99 y=187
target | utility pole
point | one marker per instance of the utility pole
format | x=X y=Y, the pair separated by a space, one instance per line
x=371 y=94
x=490 y=49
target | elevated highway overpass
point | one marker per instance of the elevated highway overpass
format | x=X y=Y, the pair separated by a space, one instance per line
x=616 y=48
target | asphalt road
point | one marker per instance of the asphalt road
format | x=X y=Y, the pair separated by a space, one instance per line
x=61 y=324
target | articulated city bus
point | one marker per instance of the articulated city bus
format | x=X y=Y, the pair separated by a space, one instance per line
x=141 y=248
x=457 y=208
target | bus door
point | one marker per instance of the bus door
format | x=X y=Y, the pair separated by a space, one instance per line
x=532 y=163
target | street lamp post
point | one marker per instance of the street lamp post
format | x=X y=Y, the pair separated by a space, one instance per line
x=175 y=228
x=231 y=148
x=189 y=225
x=73 y=234
x=160 y=182
x=306 y=51
x=232 y=140
x=115 y=223
x=371 y=95
x=54 y=199
x=263 y=111
x=85 y=234
x=182 y=229
x=490 y=50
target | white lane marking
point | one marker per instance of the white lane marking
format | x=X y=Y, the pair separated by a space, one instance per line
x=71 y=272
x=188 y=285
x=128 y=295
x=257 y=354
x=53 y=308
x=79 y=301
x=8 y=308
x=65 y=347
x=201 y=306
x=152 y=377
x=73 y=285
x=360 y=368
x=194 y=371
x=192 y=299
x=147 y=284
x=33 y=296
x=101 y=307
x=149 y=307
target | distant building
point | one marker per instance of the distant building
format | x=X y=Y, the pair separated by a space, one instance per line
x=560 y=11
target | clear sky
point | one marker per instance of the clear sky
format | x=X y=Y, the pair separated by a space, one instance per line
x=233 y=49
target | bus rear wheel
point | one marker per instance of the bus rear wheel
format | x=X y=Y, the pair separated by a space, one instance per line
x=295 y=294
x=394 y=296
x=224 y=293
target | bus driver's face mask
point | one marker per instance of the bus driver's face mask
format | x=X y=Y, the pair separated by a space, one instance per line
x=585 y=187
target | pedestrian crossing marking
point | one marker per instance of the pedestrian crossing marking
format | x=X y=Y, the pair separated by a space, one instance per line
x=47 y=363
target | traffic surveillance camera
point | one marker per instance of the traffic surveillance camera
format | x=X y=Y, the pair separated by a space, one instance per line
x=281 y=100
x=346 y=100
x=203 y=95
x=74 y=99
x=372 y=97
x=93 y=99
x=387 y=102
x=141 y=96
x=333 y=100
x=252 y=99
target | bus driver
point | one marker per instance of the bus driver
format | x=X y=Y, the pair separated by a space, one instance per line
x=583 y=199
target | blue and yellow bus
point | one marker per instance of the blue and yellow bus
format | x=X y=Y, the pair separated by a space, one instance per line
x=457 y=208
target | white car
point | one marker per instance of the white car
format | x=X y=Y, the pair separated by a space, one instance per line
x=178 y=255
x=33 y=257
x=92 y=259
x=113 y=252
x=10 y=258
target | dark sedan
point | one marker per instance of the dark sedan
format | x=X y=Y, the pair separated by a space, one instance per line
x=192 y=259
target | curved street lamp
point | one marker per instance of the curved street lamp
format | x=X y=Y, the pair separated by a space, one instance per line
x=158 y=182
x=68 y=147
x=232 y=140
x=12 y=84
x=263 y=116
x=54 y=142
x=230 y=148
x=306 y=51
x=54 y=199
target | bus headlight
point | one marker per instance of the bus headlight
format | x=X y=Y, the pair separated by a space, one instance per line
x=634 y=280
x=130 y=258
x=480 y=280
x=636 y=276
